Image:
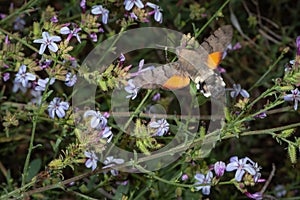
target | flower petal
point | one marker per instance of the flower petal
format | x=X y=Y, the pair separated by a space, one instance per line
x=65 y=30
x=55 y=38
x=53 y=47
x=89 y=113
x=42 y=49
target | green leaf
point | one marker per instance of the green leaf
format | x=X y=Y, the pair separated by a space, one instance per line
x=34 y=168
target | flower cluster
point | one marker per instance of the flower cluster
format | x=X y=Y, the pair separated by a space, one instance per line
x=244 y=166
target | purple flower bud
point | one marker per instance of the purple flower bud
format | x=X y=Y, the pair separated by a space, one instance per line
x=94 y=37
x=156 y=97
x=219 y=168
x=256 y=196
x=54 y=19
x=6 y=76
x=83 y=6
x=261 y=115
x=6 y=40
x=184 y=177
x=298 y=45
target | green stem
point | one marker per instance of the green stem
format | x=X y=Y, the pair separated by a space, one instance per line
x=138 y=109
x=263 y=95
x=19 y=40
x=268 y=71
x=211 y=19
x=19 y=11
x=197 y=142
x=34 y=123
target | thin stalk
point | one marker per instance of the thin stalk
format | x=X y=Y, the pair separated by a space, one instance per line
x=211 y=19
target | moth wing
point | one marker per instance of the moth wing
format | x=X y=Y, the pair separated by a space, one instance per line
x=214 y=59
x=177 y=82
x=219 y=40
x=167 y=76
x=215 y=45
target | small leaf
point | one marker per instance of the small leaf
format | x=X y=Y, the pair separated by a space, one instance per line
x=292 y=153
x=34 y=168
x=287 y=133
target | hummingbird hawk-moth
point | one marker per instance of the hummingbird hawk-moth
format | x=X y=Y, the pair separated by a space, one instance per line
x=196 y=64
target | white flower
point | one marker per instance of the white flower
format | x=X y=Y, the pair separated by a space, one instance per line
x=130 y=3
x=48 y=41
x=99 y=10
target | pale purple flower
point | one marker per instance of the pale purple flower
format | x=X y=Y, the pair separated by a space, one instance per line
x=83 y=5
x=45 y=64
x=57 y=107
x=256 y=196
x=19 y=23
x=237 y=46
x=202 y=179
x=42 y=84
x=67 y=31
x=221 y=69
x=94 y=37
x=37 y=97
x=2 y=16
x=257 y=168
x=18 y=86
x=140 y=69
x=295 y=96
x=6 y=76
x=280 y=191
x=130 y=3
x=122 y=57
x=48 y=41
x=241 y=166
x=92 y=160
x=23 y=77
x=106 y=133
x=184 y=177
x=156 y=97
x=131 y=89
x=98 y=121
x=298 y=45
x=110 y=161
x=236 y=90
x=161 y=125
x=6 y=41
x=157 y=11
x=99 y=10
x=133 y=16
x=70 y=79
x=261 y=115
x=219 y=168
x=54 y=19
x=230 y=48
